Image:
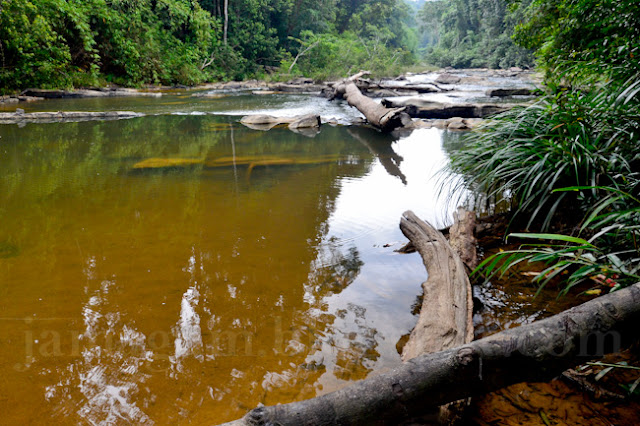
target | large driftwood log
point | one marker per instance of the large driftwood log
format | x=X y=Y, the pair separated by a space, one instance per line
x=446 y=316
x=533 y=352
x=385 y=119
x=445 y=319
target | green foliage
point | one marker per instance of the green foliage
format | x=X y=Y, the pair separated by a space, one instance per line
x=582 y=40
x=574 y=153
x=67 y=43
x=472 y=33
x=610 y=257
x=347 y=53
x=569 y=139
x=57 y=43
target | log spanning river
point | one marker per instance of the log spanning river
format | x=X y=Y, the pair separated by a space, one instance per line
x=181 y=268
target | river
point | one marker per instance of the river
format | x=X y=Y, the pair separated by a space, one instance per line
x=261 y=269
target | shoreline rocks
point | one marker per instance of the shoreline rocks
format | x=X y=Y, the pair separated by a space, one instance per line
x=18 y=98
x=457 y=124
x=521 y=91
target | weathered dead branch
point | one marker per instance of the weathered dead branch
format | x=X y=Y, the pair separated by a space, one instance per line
x=381 y=117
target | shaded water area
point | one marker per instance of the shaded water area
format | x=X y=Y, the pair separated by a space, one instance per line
x=259 y=269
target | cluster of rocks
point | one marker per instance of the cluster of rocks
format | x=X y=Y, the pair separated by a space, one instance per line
x=425 y=113
x=454 y=123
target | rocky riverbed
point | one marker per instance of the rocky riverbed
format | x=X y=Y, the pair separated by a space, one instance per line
x=453 y=99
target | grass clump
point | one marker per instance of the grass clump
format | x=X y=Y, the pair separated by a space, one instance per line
x=570 y=139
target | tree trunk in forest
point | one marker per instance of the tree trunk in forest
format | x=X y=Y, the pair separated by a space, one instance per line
x=385 y=119
x=226 y=22
x=532 y=352
x=301 y=52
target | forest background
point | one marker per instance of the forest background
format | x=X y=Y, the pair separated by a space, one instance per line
x=83 y=43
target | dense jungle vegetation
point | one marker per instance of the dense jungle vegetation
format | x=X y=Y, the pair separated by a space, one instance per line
x=473 y=33
x=74 y=43
x=569 y=163
x=56 y=43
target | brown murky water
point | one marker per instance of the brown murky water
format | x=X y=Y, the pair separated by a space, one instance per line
x=254 y=270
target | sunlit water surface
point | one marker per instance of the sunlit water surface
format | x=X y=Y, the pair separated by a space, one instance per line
x=263 y=271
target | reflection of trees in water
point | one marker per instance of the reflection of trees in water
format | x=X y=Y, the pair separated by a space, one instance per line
x=345 y=345
x=333 y=270
x=355 y=344
x=236 y=329
x=452 y=141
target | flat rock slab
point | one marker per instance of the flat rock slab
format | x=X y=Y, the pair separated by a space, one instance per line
x=522 y=91
x=17 y=117
x=422 y=109
x=296 y=88
x=266 y=122
x=87 y=93
x=410 y=87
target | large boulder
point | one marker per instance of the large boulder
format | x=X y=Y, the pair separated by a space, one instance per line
x=267 y=122
x=263 y=119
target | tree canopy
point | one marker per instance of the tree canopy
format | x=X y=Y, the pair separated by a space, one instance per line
x=473 y=33
x=65 y=43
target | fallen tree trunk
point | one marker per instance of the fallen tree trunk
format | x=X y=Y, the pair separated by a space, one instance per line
x=446 y=315
x=533 y=352
x=379 y=116
x=445 y=319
